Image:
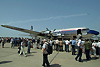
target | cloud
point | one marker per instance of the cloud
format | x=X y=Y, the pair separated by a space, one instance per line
x=50 y=18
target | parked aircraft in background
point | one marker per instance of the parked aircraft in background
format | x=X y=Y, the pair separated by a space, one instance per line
x=65 y=33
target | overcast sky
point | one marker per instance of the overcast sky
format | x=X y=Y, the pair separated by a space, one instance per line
x=52 y=14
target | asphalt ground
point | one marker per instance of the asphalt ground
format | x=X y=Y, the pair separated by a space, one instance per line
x=10 y=58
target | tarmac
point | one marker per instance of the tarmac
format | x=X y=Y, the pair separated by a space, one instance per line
x=10 y=58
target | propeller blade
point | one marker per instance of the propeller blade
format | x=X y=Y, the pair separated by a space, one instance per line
x=49 y=32
x=54 y=29
x=47 y=29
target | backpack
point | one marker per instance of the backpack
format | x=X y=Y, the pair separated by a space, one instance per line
x=49 y=49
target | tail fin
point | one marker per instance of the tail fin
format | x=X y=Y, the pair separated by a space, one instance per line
x=31 y=28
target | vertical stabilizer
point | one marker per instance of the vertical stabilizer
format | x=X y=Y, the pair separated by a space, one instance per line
x=31 y=28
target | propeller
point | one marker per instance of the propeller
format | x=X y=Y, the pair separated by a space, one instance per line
x=54 y=30
x=47 y=29
x=50 y=32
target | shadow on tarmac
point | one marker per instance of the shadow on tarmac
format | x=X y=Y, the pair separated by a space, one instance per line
x=33 y=52
x=54 y=57
x=93 y=58
x=55 y=65
x=30 y=55
x=7 y=47
x=3 y=62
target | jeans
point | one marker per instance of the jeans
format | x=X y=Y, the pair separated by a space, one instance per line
x=3 y=44
x=60 y=48
x=57 y=47
x=99 y=51
x=12 y=45
x=67 y=48
x=28 y=49
x=79 y=54
x=73 y=49
x=87 y=54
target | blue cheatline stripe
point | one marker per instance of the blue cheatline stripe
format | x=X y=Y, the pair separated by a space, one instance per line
x=93 y=32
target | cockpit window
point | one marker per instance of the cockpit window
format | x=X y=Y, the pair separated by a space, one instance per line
x=85 y=29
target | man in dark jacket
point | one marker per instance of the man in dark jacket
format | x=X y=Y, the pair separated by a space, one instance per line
x=87 y=48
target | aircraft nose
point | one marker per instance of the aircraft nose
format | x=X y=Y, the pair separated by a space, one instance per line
x=93 y=32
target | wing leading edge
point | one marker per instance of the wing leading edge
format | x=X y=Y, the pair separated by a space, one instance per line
x=22 y=30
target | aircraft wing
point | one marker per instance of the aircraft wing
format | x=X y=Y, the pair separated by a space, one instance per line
x=22 y=30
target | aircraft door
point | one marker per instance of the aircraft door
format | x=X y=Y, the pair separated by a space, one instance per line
x=79 y=31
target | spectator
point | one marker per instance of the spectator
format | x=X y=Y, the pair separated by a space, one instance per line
x=22 y=48
x=73 y=46
x=3 y=42
x=12 y=42
x=45 y=55
x=94 y=45
x=56 y=44
x=67 y=45
x=29 y=45
x=87 y=45
x=61 y=45
x=0 y=40
x=79 y=50
x=99 y=48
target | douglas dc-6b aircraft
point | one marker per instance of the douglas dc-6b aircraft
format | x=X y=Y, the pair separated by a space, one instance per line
x=65 y=33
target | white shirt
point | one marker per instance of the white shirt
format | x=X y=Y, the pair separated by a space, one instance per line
x=66 y=42
x=93 y=46
x=44 y=45
x=79 y=43
x=11 y=40
x=83 y=42
x=51 y=42
x=98 y=44
x=57 y=41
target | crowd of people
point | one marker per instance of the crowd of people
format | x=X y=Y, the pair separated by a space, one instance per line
x=89 y=47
